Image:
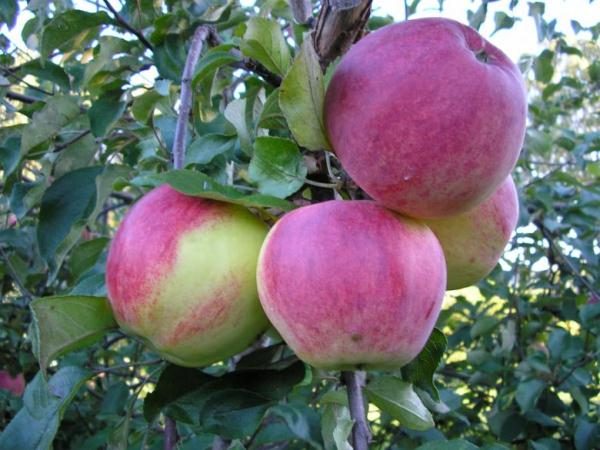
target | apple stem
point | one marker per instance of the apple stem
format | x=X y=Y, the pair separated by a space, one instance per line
x=185 y=105
x=170 y=434
x=361 y=435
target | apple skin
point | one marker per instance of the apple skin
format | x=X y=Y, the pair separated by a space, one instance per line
x=14 y=384
x=420 y=123
x=181 y=273
x=474 y=241
x=351 y=285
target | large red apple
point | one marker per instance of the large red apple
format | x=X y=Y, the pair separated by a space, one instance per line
x=14 y=384
x=426 y=116
x=474 y=241
x=349 y=284
x=181 y=273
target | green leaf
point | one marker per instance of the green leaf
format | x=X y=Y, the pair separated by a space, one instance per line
x=301 y=420
x=9 y=10
x=214 y=13
x=264 y=386
x=484 y=325
x=84 y=256
x=71 y=29
x=200 y=185
x=420 y=371
x=235 y=113
x=503 y=21
x=63 y=324
x=477 y=18
x=264 y=42
x=114 y=400
x=507 y=425
x=112 y=56
x=277 y=166
x=594 y=71
x=543 y=66
x=589 y=315
x=69 y=199
x=25 y=196
x=302 y=96
x=205 y=148
x=398 y=399
x=143 y=106
x=47 y=123
x=336 y=426
x=546 y=444
x=36 y=424
x=49 y=71
x=586 y=435
x=271 y=116
x=538 y=142
x=213 y=59
x=105 y=112
x=170 y=56
x=10 y=154
x=68 y=205
x=454 y=444
x=266 y=358
x=528 y=393
x=233 y=413
x=174 y=382
x=77 y=155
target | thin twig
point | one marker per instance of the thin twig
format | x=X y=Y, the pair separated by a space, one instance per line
x=170 y=434
x=247 y=64
x=567 y=264
x=127 y=366
x=8 y=73
x=254 y=66
x=361 y=436
x=113 y=340
x=64 y=145
x=22 y=98
x=185 y=106
x=123 y=196
x=322 y=185
x=584 y=361
x=128 y=27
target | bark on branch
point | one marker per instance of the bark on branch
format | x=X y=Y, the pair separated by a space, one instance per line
x=200 y=35
x=340 y=24
x=361 y=435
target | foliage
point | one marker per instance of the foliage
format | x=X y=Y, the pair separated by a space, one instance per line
x=88 y=121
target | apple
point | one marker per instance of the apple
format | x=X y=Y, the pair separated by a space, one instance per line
x=14 y=384
x=426 y=116
x=474 y=241
x=181 y=273
x=351 y=285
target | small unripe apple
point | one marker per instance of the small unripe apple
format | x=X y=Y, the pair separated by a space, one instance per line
x=350 y=284
x=474 y=241
x=426 y=116
x=14 y=384
x=181 y=273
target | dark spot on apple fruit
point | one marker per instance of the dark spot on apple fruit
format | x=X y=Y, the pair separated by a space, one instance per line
x=356 y=337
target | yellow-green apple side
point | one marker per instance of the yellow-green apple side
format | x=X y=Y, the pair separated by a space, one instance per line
x=426 y=116
x=474 y=241
x=181 y=273
x=351 y=285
